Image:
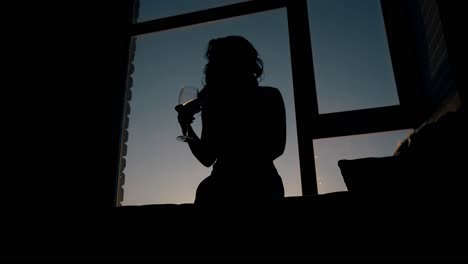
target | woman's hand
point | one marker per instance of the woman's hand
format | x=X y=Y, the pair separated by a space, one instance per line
x=185 y=118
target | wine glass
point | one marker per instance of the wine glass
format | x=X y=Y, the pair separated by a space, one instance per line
x=188 y=105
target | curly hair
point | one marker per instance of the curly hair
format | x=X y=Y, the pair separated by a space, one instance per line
x=232 y=56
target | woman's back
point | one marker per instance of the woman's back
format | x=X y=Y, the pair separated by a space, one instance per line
x=247 y=128
x=248 y=133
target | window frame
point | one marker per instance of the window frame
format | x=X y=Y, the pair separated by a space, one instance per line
x=310 y=124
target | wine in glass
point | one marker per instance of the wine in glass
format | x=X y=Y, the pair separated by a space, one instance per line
x=189 y=105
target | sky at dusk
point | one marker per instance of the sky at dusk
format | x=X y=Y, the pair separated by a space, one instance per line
x=352 y=69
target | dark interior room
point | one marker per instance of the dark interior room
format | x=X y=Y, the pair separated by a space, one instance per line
x=133 y=197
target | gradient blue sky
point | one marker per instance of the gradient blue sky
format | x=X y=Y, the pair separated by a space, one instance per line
x=352 y=68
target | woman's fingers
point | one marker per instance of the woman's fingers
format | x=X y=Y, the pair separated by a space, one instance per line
x=185 y=119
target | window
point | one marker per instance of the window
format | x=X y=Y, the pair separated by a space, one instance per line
x=160 y=169
x=154 y=9
x=351 y=55
x=354 y=81
x=341 y=101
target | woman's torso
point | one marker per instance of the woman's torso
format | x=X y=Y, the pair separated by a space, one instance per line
x=238 y=126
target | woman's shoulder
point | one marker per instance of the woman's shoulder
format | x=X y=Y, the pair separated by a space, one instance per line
x=269 y=95
x=273 y=94
x=269 y=90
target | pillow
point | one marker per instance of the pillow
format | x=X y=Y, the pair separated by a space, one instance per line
x=371 y=174
x=428 y=162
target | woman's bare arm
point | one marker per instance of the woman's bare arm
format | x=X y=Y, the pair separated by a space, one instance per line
x=201 y=148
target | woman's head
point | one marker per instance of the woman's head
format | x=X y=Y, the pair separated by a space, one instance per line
x=232 y=59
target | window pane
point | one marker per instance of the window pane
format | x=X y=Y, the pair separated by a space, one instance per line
x=351 y=57
x=161 y=169
x=329 y=151
x=154 y=9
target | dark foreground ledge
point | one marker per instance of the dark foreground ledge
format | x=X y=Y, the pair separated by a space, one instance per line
x=331 y=227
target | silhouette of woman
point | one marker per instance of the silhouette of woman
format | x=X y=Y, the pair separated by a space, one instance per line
x=243 y=128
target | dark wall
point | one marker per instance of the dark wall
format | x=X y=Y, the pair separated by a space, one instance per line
x=404 y=55
x=453 y=17
x=61 y=95
x=69 y=79
x=107 y=60
x=425 y=60
x=96 y=72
